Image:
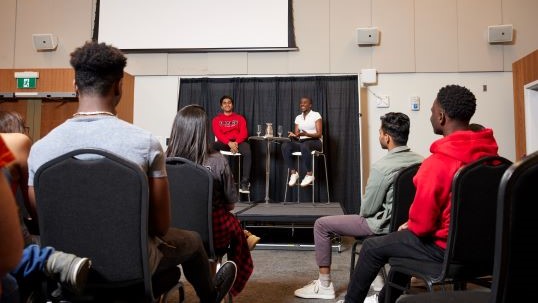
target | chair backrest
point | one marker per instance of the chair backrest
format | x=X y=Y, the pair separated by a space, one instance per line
x=404 y=193
x=95 y=204
x=470 y=246
x=191 y=195
x=516 y=227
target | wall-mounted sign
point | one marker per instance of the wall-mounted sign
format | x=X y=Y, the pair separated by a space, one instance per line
x=26 y=80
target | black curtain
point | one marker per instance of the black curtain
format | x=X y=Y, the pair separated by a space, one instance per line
x=276 y=100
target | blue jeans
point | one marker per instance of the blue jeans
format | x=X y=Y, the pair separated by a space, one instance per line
x=33 y=261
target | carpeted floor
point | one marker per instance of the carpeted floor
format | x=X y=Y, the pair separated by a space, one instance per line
x=277 y=273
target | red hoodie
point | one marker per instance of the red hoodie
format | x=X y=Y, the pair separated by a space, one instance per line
x=232 y=127
x=429 y=215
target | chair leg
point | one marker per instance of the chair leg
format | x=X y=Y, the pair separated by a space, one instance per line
x=314 y=182
x=353 y=258
x=298 y=181
x=326 y=179
x=286 y=185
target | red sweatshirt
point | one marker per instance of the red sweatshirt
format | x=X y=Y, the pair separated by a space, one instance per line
x=429 y=215
x=230 y=127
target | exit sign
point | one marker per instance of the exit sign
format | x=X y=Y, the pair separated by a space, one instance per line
x=26 y=82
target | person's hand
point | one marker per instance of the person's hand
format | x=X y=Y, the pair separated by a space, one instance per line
x=292 y=135
x=403 y=226
x=234 y=148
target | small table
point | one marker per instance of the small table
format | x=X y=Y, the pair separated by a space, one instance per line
x=268 y=140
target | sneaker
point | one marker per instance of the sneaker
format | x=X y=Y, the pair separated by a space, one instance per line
x=340 y=301
x=252 y=239
x=372 y=299
x=308 y=179
x=224 y=279
x=378 y=283
x=244 y=188
x=293 y=179
x=70 y=270
x=314 y=290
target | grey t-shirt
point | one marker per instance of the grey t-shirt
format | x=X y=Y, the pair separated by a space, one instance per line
x=103 y=132
x=108 y=133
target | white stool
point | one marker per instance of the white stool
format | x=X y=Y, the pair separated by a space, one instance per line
x=238 y=155
x=315 y=154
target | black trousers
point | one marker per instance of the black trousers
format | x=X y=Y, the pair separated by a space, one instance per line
x=305 y=147
x=244 y=149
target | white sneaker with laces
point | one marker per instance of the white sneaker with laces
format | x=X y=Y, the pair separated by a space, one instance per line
x=308 y=179
x=293 y=179
x=371 y=299
x=378 y=283
x=314 y=290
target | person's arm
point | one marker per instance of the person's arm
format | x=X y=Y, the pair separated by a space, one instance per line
x=317 y=134
x=21 y=150
x=10 y=230
x=243 y=131
x=433 y=184
x=375 y=193
x=295 y=133
x=159 y=206
x=218 y=132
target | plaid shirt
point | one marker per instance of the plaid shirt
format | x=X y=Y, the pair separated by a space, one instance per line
x=227 y=232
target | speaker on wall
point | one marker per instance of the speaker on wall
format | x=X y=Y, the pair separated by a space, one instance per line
x=367 y=35
x=500 y=33
x=44 y=42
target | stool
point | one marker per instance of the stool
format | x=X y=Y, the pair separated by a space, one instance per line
x=315 y=154
x=238 y=155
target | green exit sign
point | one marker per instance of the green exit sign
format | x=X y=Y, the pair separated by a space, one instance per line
x=26 y=82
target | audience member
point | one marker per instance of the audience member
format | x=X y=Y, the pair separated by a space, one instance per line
x=231 y=131
x=10 y=233
x=376 y=205
x=305 y=138
x=424 y=235
x=189 y=140
x=12 y=130
x=98 y=83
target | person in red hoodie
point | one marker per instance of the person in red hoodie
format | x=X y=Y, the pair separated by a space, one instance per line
x=424 y=235
x=231 y=131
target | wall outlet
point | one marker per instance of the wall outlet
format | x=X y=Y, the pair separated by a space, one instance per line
x=415 y=103
x=383 y=102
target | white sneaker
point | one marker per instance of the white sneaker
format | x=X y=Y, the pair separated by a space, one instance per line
x=340 y=301
x=314 y=290
x=293 y=179
x=371 y=299
x=308 y=179
x=378 y=283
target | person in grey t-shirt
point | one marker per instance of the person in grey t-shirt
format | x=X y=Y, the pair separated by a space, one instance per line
x=376 y=205
x=98 y=82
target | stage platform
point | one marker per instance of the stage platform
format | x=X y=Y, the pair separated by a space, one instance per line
x=286 y=225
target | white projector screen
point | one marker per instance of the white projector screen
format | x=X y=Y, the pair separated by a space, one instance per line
x=189 y=25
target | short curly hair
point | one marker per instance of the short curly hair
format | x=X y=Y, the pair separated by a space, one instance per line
x=458 y=102
x=97 y=66
x=397 y=126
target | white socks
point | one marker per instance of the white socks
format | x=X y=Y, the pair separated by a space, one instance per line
x=325 y=280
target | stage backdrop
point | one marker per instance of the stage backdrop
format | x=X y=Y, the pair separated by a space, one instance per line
x=276 y=100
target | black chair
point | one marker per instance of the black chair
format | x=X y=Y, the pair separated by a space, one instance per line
x=470 y=245
x=515 y=228
x=404 y=193
x=191 y=196
x=95 y=204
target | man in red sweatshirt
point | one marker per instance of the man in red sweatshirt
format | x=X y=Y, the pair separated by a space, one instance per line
x=424 y=235
x=231 y=131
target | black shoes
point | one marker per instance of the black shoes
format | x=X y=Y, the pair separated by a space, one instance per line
x=224 y=279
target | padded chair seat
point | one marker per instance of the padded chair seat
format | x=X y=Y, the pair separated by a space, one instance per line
x=229 y=153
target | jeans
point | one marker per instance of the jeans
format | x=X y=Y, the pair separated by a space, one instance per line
x=305 y=147
x=375 y=253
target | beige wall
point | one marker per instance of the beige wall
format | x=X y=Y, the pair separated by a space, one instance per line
x=421 y=40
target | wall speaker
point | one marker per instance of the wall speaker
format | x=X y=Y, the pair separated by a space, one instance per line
x=367 y=35
x=44 y=42
x=500 y=33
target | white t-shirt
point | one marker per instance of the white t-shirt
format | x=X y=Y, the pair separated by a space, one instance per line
x=307 y=124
